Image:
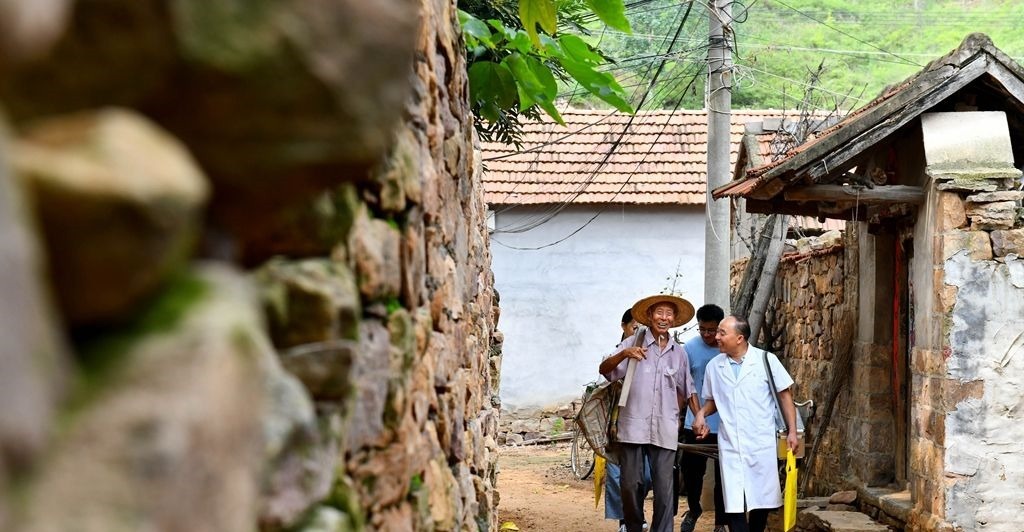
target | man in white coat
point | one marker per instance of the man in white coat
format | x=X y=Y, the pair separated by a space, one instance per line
x=736 y=386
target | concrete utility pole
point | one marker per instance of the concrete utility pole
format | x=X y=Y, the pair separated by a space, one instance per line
x=719 y=108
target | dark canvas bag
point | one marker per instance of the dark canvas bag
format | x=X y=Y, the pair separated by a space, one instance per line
x=599 y=414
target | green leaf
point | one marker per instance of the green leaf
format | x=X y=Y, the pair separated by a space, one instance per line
x=520 y=43
x=578 y=50
x=600 y=84
x=475 y=28
x=612 y=13
x=503 y=31
x=491 y=82
x=533 y=89
x=533 y=12
x=544 y=75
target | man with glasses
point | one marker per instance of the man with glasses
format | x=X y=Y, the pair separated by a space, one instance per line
x=700 y=350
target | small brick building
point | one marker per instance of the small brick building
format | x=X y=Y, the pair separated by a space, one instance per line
x=927 y=176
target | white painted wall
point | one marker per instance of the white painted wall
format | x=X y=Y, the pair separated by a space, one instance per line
x=985 y=437
x=560 y=306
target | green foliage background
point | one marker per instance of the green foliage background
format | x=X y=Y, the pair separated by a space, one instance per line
x=864 y=45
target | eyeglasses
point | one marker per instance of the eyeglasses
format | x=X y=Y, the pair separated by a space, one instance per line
x=702 y=330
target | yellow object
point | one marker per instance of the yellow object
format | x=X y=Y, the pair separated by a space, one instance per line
x=789 y=504
x=509 y=525
x=598 y=478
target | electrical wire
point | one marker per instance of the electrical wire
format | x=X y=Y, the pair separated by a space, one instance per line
x=618 y=140
x=549 y=213
x=837 y=30
x=800 y=83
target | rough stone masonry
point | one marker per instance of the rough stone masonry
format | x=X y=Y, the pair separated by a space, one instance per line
x=244 y=271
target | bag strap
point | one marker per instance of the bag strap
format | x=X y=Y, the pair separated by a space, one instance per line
x=775 y=391
x=638 y=340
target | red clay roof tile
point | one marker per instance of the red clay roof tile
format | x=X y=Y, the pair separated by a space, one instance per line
x=661 y=159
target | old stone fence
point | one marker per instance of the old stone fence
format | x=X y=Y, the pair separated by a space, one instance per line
x=244 y=271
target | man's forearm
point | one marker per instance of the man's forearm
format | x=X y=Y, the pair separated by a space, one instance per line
x=612 y=362
x=788 y=409
x=694 y=405
x=709 y=408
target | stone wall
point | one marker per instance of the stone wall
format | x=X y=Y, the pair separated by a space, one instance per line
x=806 y=314
x=810 y=305
x=967 y=375
x=537 y=424
x=245 y=271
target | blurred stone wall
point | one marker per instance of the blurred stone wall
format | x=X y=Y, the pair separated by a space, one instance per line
x=244 y=271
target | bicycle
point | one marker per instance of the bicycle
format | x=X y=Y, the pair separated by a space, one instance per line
x=581 y=456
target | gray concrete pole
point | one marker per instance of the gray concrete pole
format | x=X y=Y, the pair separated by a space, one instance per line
x=719 y=107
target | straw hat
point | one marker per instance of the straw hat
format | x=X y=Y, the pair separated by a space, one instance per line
x=684 y=310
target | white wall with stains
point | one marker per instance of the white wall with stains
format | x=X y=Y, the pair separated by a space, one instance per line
x=561 y=305
x=984 y=458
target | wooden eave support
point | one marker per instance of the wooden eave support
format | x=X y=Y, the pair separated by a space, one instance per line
x=888 y=194
x=838 y=201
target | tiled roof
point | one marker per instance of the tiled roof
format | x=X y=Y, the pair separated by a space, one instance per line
x=662 y=159
x=889 y=111
x=762 y=137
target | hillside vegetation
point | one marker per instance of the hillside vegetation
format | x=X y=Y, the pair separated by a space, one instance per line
x=863 y=45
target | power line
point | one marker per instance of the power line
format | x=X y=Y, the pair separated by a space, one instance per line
x=801 y=83
x=586 y=183
x=604 y=206
x=837 y=30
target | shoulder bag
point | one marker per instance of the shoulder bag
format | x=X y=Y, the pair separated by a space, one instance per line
x=781 y=430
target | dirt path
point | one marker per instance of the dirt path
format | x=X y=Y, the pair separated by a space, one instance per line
x=539 y=493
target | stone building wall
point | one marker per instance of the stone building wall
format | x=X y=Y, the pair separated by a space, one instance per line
x=811 y=300
x=805 y=313
x=245 y=276
x=967 y=375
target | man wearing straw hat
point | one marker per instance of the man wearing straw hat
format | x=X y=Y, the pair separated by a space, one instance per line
x=657 y=385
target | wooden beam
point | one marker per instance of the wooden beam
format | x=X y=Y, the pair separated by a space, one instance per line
x=845 y=212
x=846 y=194
x=773 y=207
x=1008 y=79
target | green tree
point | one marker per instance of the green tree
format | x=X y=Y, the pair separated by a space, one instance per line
x=865 y=45
x=519 y=49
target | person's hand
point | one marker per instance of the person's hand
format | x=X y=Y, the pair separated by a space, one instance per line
x=792 y=440
x=636 y=353
x=699 y=424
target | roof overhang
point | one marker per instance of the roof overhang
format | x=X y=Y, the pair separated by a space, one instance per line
x=800 y=182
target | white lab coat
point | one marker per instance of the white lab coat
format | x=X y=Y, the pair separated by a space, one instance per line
x=746 y=430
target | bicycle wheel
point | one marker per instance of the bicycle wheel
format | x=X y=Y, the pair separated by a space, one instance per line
x=581 y=456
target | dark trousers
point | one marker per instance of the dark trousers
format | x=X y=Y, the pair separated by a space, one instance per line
x=694 y=466
x=631 y=460
x=758 y=521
